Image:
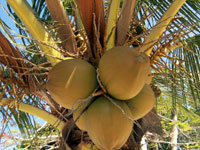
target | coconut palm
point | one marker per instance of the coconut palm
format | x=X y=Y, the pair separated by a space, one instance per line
x=51 y=31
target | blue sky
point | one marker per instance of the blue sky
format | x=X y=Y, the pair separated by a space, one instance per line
x=5 y=17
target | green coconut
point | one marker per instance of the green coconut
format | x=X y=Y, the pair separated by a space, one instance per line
x=107 y=127
x=123 y=71
x=71 y=80
x=143 y=103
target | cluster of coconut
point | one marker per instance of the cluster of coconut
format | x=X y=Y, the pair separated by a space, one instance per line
x=123 y=73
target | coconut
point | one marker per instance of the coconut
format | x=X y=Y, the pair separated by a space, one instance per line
x=107 y=127
x=123 y=71
x=149 y=77
x=71 y=80
x=80 y=113
x=143 y=103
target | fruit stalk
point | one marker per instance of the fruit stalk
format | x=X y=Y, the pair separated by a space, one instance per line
x=36 y=29
x=160 y=26
x=51 y=119
x=63 y=29
x=111 y=24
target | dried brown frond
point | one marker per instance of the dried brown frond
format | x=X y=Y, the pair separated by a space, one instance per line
x=12 y=90
x=124 y=21
x=8 y=50
x=164 y=50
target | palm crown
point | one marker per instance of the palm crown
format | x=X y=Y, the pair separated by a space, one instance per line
x=52 y=31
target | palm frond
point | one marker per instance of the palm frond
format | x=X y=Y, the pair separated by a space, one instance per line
x=17 y=78
x=161 y=25
x=63 y=25
x=112 y=23
x=26 y=14
x=174 y=56
x=124 y=21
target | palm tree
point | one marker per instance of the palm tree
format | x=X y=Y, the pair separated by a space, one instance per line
x=52 y=30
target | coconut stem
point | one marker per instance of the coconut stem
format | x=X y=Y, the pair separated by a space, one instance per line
x=160 y=26
x=36 y=29
x=100 y=83
x=51 y=119
x=111 y=24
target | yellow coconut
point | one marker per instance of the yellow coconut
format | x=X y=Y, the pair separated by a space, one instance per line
x=79 y=112
x=108 y=128
x=71 y=80
x=123 y=71
x=149 y=77
x=143 y=103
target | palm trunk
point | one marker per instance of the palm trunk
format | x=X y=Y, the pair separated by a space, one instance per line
x=143 y=144
x=174 y=131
